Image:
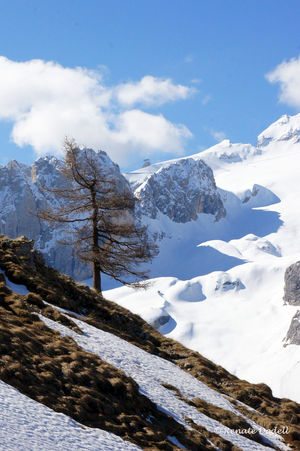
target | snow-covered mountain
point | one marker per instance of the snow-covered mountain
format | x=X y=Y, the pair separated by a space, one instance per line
x=180 y=190
x=218 y=282
x=22 y=196
x=227 y=224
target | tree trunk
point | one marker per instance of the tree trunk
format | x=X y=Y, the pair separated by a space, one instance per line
x=96 y=264
x=97 y=276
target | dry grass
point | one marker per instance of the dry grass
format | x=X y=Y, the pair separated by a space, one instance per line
x=219 y=442
x=54 y=371
x=225 y=417
x=27 y=267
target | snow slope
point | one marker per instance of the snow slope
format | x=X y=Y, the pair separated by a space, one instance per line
x=28 y=425
x=151 y=371
x=221 y=283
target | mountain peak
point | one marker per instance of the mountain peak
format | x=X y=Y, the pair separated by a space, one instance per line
x=284 y=129
x=181 y=190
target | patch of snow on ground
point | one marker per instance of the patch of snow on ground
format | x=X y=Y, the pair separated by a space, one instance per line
x=28 y=425
x=16 y=288
x=151 y=371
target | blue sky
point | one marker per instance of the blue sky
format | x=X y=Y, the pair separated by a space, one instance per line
x=164 y=77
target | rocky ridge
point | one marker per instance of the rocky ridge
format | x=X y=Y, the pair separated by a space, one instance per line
x=22 y=197
x=286 y=128
x=181 y=191
x=292 y=297
x=292 y=284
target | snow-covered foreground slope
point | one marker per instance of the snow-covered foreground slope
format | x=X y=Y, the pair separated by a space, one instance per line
x=65 y=346
x=222 y=282
x=150 y=372
x=28 y=425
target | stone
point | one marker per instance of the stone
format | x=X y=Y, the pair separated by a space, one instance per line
x=292 y=284
x=181 y=191
x=293 y=334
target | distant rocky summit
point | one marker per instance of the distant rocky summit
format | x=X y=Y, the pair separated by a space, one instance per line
x=292 y=284
x=181 y=190
x=22 y=196
x=286 y=128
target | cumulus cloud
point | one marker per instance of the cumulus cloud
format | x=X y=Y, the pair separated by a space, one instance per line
x=151 y=91
x=46 y=102
x=137 y=127
x=287 y=74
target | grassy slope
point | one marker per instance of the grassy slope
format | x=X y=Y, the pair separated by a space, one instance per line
x=54 y=371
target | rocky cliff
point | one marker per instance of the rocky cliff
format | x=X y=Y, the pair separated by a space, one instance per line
x=22 y=197
x=180 y=190
x=292 y=284
x=292 y=297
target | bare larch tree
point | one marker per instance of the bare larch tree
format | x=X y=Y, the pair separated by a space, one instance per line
x=100 y=218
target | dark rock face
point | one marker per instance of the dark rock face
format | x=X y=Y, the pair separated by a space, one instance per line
x=22 y=197
x=293 y=334
x=229 y=285
x=292 y=284
x=292 y=297
x=181 y=191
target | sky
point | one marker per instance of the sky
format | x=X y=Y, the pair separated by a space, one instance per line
x=144 y=79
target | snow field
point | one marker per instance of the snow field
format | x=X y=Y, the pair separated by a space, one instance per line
x=222 y=283
x=150 y=372
x=26 y=425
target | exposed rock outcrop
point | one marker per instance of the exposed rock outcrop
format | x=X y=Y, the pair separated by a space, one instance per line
x=292 y=297
x=293 y=334
x=259 y=196
x=292 y=284
x=181 y=190
x=286 y=128
x=22 y=197
x=225 y=283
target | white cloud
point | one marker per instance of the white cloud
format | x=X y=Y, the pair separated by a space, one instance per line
x=287 y=74
x=46 y=102
x=137 y=128
x=218 y=135
x=151 y=91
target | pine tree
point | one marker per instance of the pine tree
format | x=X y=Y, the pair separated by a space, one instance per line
x=100 y=218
